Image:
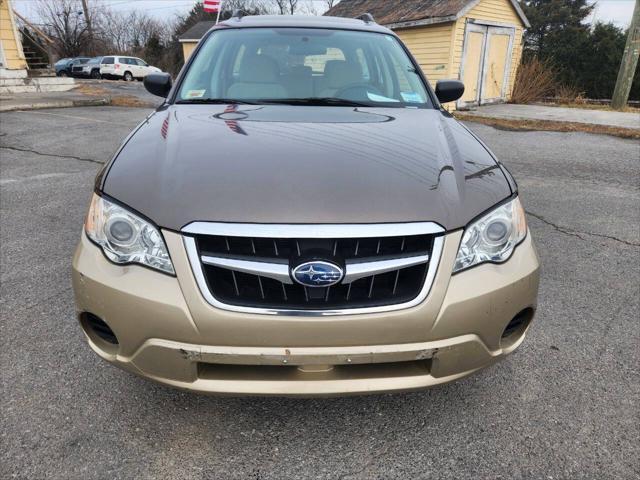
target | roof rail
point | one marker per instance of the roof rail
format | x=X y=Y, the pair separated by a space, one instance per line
x=366 y=18
x=238 y=14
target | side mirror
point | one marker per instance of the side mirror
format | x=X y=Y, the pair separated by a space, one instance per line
x=449 y=90
x=158 y=83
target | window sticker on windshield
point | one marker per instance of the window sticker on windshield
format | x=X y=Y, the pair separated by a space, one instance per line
x=379 y=98
x=195 y=93
x=411 y=97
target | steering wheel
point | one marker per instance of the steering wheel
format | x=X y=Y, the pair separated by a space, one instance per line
x=358 y=91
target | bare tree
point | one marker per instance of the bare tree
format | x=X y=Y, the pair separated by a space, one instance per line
x=129 y=33
x=249 y=6
x=64 y=21
x=308 y=7
x=143 y=28
x=286 y=7
x=115 y=30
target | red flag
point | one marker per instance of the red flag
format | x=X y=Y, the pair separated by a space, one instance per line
x=212 y=6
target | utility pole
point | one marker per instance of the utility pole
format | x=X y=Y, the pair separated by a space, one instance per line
x=87 y=19
x=629 y=62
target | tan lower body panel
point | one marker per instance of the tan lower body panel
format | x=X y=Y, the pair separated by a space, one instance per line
x=167 y=332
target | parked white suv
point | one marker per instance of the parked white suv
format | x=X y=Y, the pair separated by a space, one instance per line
x=126 y=68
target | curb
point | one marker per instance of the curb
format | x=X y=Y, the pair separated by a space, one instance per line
x=89 y=102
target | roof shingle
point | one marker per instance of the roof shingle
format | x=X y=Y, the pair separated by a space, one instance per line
x=393 y=12
x=197 y=31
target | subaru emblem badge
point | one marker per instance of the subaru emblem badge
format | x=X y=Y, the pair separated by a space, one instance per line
x=317 y=274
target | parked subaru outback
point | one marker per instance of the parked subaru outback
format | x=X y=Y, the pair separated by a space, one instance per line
x=302 y=217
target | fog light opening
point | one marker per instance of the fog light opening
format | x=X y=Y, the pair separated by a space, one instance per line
x=98 y=330
x=516 y=328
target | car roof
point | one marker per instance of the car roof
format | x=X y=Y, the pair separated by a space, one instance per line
x=302 y=21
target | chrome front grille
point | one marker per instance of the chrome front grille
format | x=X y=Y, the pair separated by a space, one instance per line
x=247 y=267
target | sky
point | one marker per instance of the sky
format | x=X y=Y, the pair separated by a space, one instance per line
x=616 y=11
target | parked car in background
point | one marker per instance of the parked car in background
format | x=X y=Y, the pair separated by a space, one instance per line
x=64 y=67
x=77 y=64
x=90 y=69
x=61 y=66
x=125 y=68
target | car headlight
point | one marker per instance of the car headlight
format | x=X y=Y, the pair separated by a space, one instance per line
x=125 y=237
x=493 y=237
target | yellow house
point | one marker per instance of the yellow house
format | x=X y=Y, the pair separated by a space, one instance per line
x=476 y=41
x=191 y=37
x=11 y=54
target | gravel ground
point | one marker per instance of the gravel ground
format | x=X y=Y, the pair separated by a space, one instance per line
x=565 y=405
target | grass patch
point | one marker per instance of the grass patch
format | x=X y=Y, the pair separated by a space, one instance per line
x=129 y=101
x=116 y=100
x=91 y=90
x=550 y=126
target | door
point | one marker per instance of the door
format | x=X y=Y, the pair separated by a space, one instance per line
x=107 y=66
x=486 y=60
x=473 y=55
x=136 y=69
x=143 y=68
x=497 y=64
x=130 y=66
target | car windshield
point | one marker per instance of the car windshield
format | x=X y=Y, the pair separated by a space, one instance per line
x=303 y=66
x=95 y=60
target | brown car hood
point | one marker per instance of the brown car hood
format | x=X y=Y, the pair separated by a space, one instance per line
x=301 y=164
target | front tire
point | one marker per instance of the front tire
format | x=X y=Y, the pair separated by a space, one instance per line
x=96 y=74
x=63 y=74
x=128 y=77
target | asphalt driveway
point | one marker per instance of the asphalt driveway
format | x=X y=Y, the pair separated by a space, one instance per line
x=565 y=405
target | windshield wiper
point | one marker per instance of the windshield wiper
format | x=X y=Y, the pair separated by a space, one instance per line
x=322 y=101
x=216 y=101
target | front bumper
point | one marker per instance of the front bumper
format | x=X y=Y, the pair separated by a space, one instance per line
x=167 y=332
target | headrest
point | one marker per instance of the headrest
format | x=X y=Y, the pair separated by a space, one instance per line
x=340 y=73
x=259 y=69
x=302 y=71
